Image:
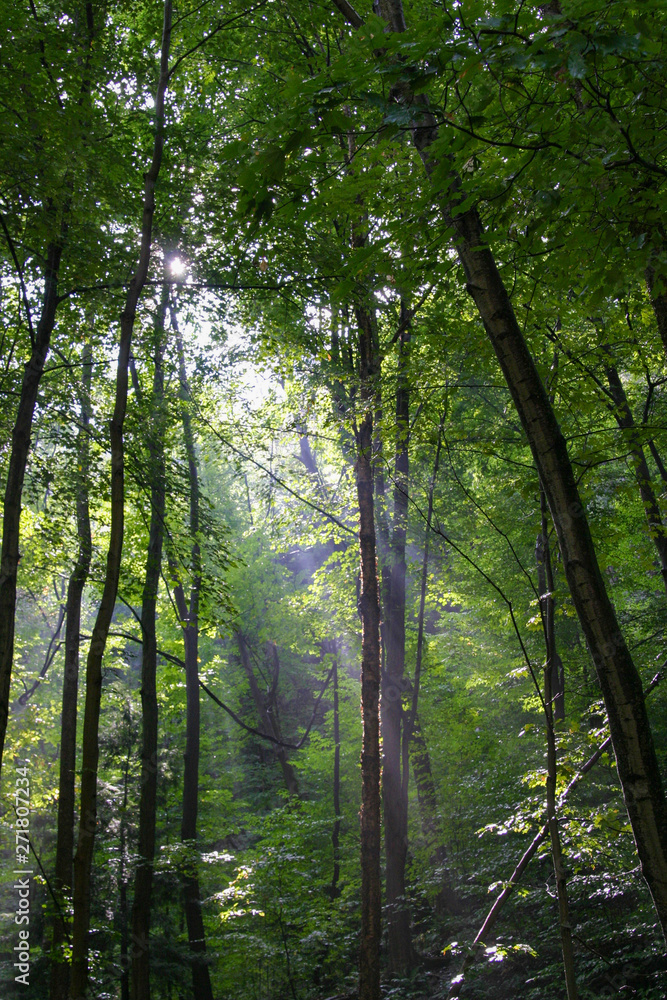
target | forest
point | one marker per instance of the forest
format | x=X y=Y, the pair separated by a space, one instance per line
x=333 y=372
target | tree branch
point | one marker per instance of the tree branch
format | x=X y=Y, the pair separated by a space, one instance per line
x=349 y=13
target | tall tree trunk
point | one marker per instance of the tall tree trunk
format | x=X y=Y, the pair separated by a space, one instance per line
x=143 y=884
x=88 y=815
x=190 y=880
x=369 y=608
x=395 y=803
x=189 y=614
x=547 y=603
x=412 y=724
x=331 y=648
x=17 y=465
x=556 y=698
x=619 y=678
x=122 y=877
x=626 y=422
x=366 y=470
x=32 y=376
x=59 y=986
x=268 y=721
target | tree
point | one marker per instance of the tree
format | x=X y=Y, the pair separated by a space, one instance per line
x=188 y=612
x=88 y=809
x=66 y=784
x=55 y=208
x=143 y=885
x=369 y=610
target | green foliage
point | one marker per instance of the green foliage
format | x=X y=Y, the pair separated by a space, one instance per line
x=292 y=192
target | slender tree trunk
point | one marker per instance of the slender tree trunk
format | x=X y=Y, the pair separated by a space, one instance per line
x=547 y=603
x=626 y=422
x=369 y=607
x=366 y=470
x=556 y=699
x=382 y=535
x=88 y=816
x=59 y=986
x=194 y=920
x=189 y=614
x=51 y=651
x=619 y=678
x=412 y=718
x=143 y=884
x=122 y=881
x=556 y=849
x=395 y=802
x=331 y=648
x=308 y=459
x=17 y=465
x=412 y=725
x=662 y=471
x=32 y=376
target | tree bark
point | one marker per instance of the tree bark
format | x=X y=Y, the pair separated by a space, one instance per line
x=34 y=369
x=366 y=471
x=369 y=608
x=547 y=603
x=662 y=471
x=143 y=884
x=122 y=878
x=60 y=973
x=394 y=801
x=291 y=783
x=412 y=727
x=447 y=899
x=88 y=815
x=545 y=587
x=189 y=614
x=16 y=474
x=331 y=648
